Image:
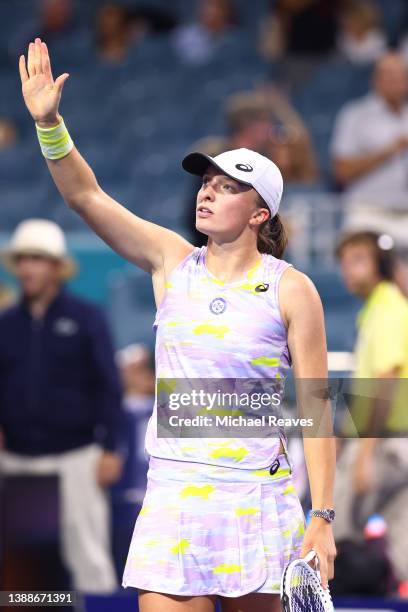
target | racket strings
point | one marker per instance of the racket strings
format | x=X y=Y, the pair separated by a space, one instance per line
x=306 y=592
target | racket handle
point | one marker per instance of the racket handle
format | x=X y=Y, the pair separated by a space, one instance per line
x=310 y=555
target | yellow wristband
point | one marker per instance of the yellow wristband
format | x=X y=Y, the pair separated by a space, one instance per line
x=55 y=142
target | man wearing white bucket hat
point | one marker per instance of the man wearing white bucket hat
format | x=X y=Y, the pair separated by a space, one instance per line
x=44 y=240
x=58 y=386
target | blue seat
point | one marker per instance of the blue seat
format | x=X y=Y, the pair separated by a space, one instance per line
x=154 y=54
x=131 y=306
x=104 y=161
x=340 y=309
x=71 y=50
x=66 y=218
x=394 y=16
x=19 y=202
x=130 y=193
x=22 y=162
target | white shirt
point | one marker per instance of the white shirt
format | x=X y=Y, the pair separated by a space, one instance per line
x=364 y=51
x=364 y=127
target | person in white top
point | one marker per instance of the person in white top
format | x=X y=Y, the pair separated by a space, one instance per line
x=370 y=151
x=361 y=40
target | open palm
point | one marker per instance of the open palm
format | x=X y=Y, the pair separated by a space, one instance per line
x=41 y=93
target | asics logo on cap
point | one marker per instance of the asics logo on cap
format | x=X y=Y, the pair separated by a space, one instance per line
x=244 y=167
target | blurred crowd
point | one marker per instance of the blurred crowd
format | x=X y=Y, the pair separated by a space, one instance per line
x=295 y=38
x=70 y=405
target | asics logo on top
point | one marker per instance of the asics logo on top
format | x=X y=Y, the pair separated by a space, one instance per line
x=262 y=288
x=244 y=167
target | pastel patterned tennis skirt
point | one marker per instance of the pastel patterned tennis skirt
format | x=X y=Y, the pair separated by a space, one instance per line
x=205 y=529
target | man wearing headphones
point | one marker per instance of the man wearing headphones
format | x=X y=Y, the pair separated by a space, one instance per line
x=372 y=471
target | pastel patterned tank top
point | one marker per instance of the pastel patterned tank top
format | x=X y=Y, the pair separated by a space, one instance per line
x=206 y=328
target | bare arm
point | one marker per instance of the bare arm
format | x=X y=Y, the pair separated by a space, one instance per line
x=348 y=169
x=303 y=313
x=379 y=412
x=146 y=244
x=149 y=246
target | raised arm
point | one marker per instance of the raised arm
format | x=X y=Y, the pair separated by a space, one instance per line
x=151 y=247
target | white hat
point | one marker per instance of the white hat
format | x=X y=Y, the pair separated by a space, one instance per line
x=39 y=237
x=245 y=166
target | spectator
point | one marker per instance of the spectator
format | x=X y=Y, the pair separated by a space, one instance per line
x=6 y=298
x=116 y=31
x=8 y=133
x=372 y=471
x=157 y=20
x=55 y=19
x=57 y=15
x=197 y=42
x=298 y=28
x=249 y=121
x=369 y=151
x=263 y=121
x=60 y=22
x=361 y=40
x=136 y=364
x=403 y=47
x=60 y=397
x=249 y=125
x=290 y=146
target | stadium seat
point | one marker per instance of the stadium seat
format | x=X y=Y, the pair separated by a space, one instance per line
x=22 y=162
x=66 y=218
x=340 y=309
x=18 y=202
x=131 y=306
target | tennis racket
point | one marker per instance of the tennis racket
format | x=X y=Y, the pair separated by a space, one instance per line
x=301 y=589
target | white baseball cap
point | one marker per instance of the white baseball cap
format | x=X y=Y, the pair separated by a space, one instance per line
x=245 y=166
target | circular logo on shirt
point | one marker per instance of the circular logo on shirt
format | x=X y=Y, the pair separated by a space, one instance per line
x=218 y=305
x=244 y=167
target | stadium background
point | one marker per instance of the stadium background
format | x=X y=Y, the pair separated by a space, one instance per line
x=134 y=119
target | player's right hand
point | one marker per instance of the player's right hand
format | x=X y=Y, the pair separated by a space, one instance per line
x=41 y=93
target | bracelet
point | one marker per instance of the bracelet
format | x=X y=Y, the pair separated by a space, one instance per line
x=55 y=142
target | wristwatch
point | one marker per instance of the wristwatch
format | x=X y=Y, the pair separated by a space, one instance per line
x=327 y=513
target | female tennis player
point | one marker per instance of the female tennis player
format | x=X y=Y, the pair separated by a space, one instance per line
x=220 y=517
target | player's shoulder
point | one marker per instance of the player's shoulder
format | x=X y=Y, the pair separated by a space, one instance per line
x=178 y=259
x=298 y=294
x=294 y=280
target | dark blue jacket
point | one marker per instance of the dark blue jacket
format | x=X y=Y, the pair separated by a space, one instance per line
x=59 y=385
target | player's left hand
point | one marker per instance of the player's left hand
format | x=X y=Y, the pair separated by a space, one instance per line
x=109 y=468
x=319 y=537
